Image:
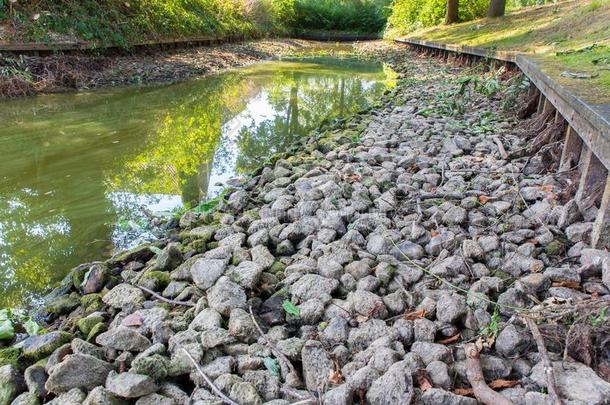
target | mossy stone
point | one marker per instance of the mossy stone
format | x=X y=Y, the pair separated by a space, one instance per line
x=78 y=275
x=155 y=280
x=38 y=347
x=95 y=331
x=63 y=305
x=554 y=248
x=155 y=366
x=10 y=355
x=277 y=267
x=85 y=325
x=198 y=245
x=92 y=302
x=212 y=245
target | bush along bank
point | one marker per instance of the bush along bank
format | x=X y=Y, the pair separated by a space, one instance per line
x=352 y=268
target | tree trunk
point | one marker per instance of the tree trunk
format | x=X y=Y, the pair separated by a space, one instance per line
x=452 y=12
x=496 y=8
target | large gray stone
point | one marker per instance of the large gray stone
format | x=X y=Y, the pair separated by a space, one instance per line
x=317 y=365
x=78 y=371
x=130 y=385
x=246 y=274
x=205 y=272
x=312 y=286
x=124 y=338
x=101 y=396
x=124 y=296
x=225 y=296
x=393 y=387
x=575 y=382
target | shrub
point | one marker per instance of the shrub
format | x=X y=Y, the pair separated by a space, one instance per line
x=364 y=16
x=409 y=15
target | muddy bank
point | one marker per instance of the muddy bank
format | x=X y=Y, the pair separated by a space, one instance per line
x=30 y=75
x=353 y=268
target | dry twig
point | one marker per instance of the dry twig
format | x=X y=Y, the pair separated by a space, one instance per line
x=162 y=298
x=548 y=366
x=207 y=379
x=477 y=381
x=284 y=361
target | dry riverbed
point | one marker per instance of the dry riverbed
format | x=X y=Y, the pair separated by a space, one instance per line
x=354 y=268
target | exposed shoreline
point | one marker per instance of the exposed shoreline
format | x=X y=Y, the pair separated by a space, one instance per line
x=368 y=253
x=33 y=75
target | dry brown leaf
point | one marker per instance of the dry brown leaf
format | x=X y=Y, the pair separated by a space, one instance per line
x=451 y=339
x=335 y=377
x=465 y=392
x=501 y=384
x=434 y=233
x=423 y=380
x=411 y=316
x=483 y=199
x=547 y=188
x=568 y=284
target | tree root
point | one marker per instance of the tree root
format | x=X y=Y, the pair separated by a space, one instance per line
x=552 y=133
x=475 y=377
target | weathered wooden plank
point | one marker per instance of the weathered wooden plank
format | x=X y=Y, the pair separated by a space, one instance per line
x=483 y=53
x=572 y=147
x=600 y=237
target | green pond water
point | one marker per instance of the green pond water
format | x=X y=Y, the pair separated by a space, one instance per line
x=78 y=171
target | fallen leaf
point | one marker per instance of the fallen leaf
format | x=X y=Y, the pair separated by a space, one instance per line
x=451 y=339
x=132 y=320
x=423 y=380
x=483 y=199
x=411 y=316
x=568 y=284
x=547 y=188
x=335 y=377
x=465 y=392
x=434 y=233
x=501 y=384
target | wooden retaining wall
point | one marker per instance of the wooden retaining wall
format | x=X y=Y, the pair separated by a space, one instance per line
x=586 y=142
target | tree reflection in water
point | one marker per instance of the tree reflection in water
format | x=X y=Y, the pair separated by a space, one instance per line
x=78 y=168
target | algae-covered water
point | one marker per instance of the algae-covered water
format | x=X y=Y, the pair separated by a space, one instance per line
x=79 y=172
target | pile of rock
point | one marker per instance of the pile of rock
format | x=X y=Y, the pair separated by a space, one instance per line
x=366 y=258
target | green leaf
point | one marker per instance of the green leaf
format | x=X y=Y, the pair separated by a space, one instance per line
x=290 y=308
x=31 y=327
x=273 y=366
x=6 y=329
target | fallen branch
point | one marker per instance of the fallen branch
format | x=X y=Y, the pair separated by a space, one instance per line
x=162 y=298
x=207 y=379
x=475 y=377
x=546 y=361
x=284 y=361
x=501 y=148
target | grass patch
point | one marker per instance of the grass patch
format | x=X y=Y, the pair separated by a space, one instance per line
x=567 y=36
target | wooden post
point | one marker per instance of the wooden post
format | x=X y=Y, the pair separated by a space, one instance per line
x=600 y=237
x=592 y=177
x=572 y=147
x=541 y=103
x=548 y=106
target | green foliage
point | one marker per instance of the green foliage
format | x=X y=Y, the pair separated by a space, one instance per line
x=409 y=15
x=599 y=319
x=493 y=328
x=362 y=16
x=11 y=319
x=290 y=308
x=117 y=22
